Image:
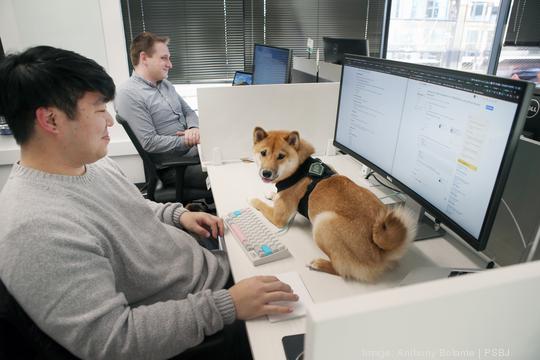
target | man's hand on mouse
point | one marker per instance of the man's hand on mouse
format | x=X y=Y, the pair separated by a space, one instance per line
x=202 y=224
x=253 y=296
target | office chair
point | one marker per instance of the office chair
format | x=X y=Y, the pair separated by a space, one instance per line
x=20 y=338
x=155 y=189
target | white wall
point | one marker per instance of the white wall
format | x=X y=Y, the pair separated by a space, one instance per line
x=93 y=28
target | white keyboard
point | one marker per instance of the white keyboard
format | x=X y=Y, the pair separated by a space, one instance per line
x=260 y=244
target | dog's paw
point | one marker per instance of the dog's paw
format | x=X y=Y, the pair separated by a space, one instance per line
x=256 y=203
x=322 y=265
x=271 y=195
x=317 y=264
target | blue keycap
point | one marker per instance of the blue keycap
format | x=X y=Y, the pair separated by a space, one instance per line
x=266 y=250
x=237 y=213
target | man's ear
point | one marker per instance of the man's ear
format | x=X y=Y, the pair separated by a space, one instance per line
x=259 y=134
x=143 y=56
x=293 y=139
x=45 y=119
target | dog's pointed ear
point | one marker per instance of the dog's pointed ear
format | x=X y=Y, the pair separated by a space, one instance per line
x=259 y=134
x=293 y=139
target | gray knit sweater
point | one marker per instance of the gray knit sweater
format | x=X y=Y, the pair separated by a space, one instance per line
x=105 y=272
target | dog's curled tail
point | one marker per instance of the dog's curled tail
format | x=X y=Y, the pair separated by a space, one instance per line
x=394 y=228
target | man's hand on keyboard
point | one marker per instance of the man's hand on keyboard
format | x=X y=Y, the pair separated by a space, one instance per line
x=200 y=223
x=252 y=296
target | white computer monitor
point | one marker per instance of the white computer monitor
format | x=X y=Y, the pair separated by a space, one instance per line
x=445 y=137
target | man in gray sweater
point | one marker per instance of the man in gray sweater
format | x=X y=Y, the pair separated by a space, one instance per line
x=102 y=271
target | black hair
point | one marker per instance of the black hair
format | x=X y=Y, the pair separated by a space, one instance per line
x=47 y=76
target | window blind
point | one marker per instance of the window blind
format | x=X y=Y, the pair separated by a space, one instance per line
x=210 y=39
x=206 y=36
x=253 y=29
x=290 y=22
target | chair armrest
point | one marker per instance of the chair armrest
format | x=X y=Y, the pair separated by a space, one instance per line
x=180 y=161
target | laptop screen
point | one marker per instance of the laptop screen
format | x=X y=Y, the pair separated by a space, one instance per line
x=242 y=78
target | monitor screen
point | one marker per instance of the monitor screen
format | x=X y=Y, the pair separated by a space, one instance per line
x=242 y=78
x=336 y=48
x=271 y=65
x=445 y=137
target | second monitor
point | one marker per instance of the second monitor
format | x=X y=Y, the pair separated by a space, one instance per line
x=271 y=65
x=336 y=48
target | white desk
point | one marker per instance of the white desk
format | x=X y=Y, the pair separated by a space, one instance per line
x=232 y=186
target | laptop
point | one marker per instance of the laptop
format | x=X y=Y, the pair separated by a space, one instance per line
x=242 y=78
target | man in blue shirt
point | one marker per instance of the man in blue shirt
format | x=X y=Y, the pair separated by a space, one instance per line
x=162 y=121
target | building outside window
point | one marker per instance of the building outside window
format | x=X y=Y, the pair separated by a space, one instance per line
x=456 y=34
x=478 y=10
x=432 y=9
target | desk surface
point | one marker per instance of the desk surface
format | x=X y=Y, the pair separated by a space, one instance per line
x=233 y=184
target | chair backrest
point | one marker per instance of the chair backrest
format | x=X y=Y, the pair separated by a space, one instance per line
x=150 y=170
x=155 y=190
x=20 y=338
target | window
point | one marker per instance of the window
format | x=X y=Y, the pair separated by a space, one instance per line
x=520 y=62
x=520 y=57
x=432 y=9
x=396 y=9
x=478 y=9
x=463 y=40
x=471 y=37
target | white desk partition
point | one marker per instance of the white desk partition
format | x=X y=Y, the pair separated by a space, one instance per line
x=309 y=66
x=489 y=315
x=329 y=72
x=227 y=116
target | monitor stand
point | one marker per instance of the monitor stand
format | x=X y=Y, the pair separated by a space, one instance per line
x=427 y=228
x=389 y=197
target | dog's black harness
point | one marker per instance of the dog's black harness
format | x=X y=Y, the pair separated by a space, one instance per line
x=312 y=168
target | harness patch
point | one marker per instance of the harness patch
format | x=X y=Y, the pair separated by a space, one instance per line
x=316 y=169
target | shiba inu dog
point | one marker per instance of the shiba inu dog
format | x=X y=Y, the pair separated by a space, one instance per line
x=361 y=237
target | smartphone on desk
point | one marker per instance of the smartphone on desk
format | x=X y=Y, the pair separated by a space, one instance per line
x=293 y=346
